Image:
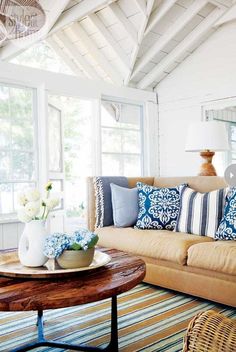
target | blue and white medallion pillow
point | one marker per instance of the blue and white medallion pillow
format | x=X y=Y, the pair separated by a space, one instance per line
x=158 y=207
x=227 y=226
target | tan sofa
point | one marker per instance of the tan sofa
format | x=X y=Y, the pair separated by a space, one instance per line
x=192 y=264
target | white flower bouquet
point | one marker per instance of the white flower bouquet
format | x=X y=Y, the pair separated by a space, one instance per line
x=33 y=206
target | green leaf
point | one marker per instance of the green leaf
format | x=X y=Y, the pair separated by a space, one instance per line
x=75 y=247
x=93 y=242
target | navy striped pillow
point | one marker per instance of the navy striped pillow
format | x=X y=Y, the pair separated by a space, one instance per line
x=200 y=213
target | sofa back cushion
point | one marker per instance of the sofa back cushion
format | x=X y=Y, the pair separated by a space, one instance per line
x=200 y=213
x=198 y=183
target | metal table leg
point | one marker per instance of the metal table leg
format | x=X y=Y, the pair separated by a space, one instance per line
x=42 y=342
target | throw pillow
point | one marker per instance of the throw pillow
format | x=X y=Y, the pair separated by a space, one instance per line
x=200 y=213
x=124 y=205
x=158 y=207
x=104 y=216
x=227 y=226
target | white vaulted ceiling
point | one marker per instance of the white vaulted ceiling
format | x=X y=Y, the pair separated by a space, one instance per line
x=127 y=42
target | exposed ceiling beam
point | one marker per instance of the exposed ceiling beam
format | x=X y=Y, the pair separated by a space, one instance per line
x=111 y=42
x=142 y=6
x=230 y=15
x=60 y=52
x=222 y=3
x=96 y=53
x=202 y=29
x=75 y=53
x=123 y=20
x=13 y=48
x=135 y=51
x=78 y=12
x=173 y=30
x=158 y=14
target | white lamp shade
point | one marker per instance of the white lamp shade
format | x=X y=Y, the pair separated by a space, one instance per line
x=207 y=135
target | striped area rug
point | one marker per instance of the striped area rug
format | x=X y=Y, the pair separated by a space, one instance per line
x=150 y=319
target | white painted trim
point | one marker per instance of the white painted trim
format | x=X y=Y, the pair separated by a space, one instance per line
x=58 y=83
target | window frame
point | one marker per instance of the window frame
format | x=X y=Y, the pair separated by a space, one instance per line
x=12 y=216
x=141 y=129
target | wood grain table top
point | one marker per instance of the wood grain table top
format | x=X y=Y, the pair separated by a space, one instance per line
x=121 y=274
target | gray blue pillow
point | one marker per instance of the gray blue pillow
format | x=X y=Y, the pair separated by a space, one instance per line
x=158 y=207
x=227 y=226
x=124 y=205
x=104 y=216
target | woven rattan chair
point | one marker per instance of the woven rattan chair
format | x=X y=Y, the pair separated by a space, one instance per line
x=210 y=332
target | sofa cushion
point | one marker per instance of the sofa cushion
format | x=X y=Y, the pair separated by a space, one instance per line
x=218 y=256
x=200 y=213
x=158 y=207
x=159 y=244
x=227 y=226
x=104 y=216
x=124 y=205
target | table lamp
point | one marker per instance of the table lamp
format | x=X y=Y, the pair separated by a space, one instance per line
x=207 y=137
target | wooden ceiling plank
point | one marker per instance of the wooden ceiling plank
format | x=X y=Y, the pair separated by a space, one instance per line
x=156 y=73
x=110 y=41
x=158 y=14
x=75 y=53
x=96 y=53
x=150 y=4
x=173 y=30
x=59 y=51
x=123 y=20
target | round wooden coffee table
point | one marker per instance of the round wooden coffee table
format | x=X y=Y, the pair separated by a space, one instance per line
x=122 y=274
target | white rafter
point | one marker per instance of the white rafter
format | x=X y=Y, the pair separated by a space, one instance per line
x=75 y=53
x=173 y=30
x=142 y=6
x=123 y=20
x=135 y=51
x=110 y=41
x=202 y=29
x=56 y=20
x=96 y=53
x=158 y=14
x=60 y=52
x=11 y=50
x=79 y=11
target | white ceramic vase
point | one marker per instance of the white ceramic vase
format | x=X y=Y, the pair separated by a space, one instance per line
x=31 y=244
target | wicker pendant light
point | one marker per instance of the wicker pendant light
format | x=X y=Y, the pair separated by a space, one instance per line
x=20 y=18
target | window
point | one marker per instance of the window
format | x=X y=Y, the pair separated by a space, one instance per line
x=77 y=133
x=17 y=145
x=121 y=136
x=42 y=56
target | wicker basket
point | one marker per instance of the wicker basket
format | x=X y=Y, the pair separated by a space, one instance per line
x=210 y=332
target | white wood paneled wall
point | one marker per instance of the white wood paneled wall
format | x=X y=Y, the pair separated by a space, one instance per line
x=10 y=234
x=208 y=75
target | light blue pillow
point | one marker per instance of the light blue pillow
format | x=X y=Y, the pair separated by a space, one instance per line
x=124 y=205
